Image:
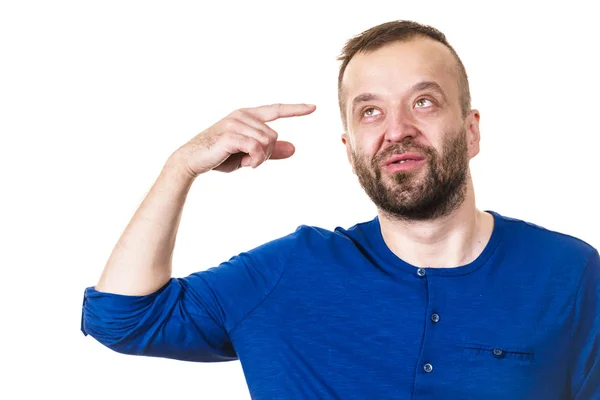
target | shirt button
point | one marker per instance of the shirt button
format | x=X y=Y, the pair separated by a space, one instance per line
x=498 y=353
x=421 y=272
x=428 y=368
x=435 y=318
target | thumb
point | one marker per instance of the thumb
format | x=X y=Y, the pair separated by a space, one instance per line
x=281 y=150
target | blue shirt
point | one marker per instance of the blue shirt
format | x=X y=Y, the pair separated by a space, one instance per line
x=336 y=315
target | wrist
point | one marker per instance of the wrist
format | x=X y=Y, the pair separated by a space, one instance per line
x=175 y=169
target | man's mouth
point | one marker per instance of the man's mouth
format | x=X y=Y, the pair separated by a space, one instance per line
x=403 y=159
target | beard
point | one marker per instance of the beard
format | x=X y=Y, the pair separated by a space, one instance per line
x=410 y=196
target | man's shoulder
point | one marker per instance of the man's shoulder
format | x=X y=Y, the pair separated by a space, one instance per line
x=540 y=237
x=314 y=237
x=322 y=234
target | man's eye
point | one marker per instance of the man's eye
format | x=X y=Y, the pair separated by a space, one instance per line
x=423 y=103
x=369 y=112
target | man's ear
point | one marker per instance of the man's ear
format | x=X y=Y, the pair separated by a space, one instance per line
x=346 y=141
x=473 y=134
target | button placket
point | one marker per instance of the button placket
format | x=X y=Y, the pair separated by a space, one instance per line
x=434 y=318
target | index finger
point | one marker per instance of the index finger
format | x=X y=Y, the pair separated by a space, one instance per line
x=275 y=111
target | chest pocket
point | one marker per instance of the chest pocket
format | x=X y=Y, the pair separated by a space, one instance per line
x=498 y=370
x=501 y=355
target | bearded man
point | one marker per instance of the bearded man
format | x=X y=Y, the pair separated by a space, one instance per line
x=431 y=299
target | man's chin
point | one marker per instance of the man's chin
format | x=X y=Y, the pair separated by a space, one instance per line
x=403 y=180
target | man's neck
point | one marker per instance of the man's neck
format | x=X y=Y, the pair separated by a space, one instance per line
x=450 y=241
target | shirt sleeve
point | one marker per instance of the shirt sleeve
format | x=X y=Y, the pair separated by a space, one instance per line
x=585 y=335
x=189 y=318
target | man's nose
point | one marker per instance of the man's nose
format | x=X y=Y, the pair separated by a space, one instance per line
x=401 y=124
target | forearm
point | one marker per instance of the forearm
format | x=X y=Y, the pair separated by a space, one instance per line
x=141 y=261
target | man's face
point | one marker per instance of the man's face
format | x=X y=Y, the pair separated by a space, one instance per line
x=406 y=138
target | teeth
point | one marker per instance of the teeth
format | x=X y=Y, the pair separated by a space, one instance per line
x=402 y=161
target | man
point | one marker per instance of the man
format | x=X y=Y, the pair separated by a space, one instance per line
x=432 y=299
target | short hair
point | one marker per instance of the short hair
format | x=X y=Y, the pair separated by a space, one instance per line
x=397 y=31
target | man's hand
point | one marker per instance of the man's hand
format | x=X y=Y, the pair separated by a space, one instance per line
x=241 y=139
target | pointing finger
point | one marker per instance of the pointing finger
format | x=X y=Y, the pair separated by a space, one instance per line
x=275 y=111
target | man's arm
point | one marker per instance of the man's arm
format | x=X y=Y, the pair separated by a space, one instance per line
x=585 y=335
x=136 y=307
x=140 y=263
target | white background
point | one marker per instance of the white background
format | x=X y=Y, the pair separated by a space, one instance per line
x=94 y=96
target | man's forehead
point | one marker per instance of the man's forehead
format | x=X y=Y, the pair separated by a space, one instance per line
x=399 y=63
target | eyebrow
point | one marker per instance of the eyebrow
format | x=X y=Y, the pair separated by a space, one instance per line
x=429 y=85
x=418 y=87
x=363 y=98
